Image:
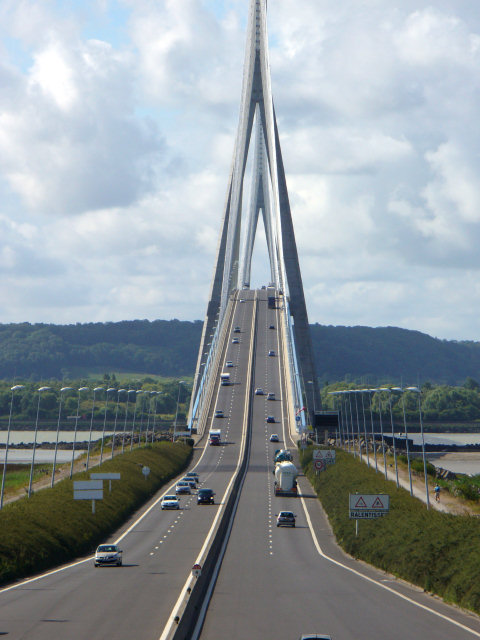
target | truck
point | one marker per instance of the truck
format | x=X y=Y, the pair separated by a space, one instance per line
x=225 y=379
x=215 y=437
x=285 y=479
x=271 y=302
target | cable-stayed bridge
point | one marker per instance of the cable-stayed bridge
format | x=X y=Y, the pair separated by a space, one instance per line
x=258 y=135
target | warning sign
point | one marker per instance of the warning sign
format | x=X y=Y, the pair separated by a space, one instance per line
x=366 y=505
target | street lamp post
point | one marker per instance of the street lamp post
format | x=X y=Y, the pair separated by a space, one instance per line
x=349 y=393
x=370 y=398
x=75 y=429
x=126 y=416
x=355 y=394
x=314 y=421
x=105 y=421
x=156 y=394
x=91 y=425
x=5 y=462
x=35 y=439
x=400 y=390
x=362 y=391
x=62 y=390
x=137 y=393
x=119 y=391
x=417 y=390
x=381 y=431
x=389 y=391
x=180 y=382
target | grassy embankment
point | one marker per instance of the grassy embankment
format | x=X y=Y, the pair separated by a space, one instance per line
x=436 y=551
x=51 y=528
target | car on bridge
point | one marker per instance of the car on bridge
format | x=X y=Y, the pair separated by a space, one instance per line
x=170 y=502
x=286 y=519
x=271 y=419
x=259 y=391
x=237 y=330
x=219 y=413
x=183 y=487
x=108 y=554
x=272 y=326
x=271 y=352
x=193 y=475
x=205 y=496
x=274 y=437
x=229 y=363
x=235 y=341
x=270 y=395
x=315 y=636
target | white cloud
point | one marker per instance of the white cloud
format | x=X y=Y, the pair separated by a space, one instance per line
x=116 y=152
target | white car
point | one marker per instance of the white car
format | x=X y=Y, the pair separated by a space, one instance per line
x=108 y=554
x=229 y=363
x=183 y=487
x=170 y=502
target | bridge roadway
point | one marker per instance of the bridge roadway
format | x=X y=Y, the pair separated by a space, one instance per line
x=80 y=602
x=274 y=583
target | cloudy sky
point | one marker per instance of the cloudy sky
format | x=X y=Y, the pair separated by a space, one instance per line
x=117 y=126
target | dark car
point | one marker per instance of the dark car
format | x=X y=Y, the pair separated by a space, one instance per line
x=315 y=636
x=270 y=418
x=272 y=326
x=205 y=496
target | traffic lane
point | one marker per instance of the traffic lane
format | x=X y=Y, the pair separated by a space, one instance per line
x=328 y=545
x=140 y=547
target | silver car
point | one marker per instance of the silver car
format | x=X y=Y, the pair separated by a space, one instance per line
x=108 y=554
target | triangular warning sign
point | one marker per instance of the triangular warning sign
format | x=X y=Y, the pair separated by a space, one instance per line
x=377 y=504
x=361 y=504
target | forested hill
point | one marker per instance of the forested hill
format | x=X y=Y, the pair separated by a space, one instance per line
x=169 y=348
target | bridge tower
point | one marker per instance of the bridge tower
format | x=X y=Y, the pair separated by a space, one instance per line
x=269 y=196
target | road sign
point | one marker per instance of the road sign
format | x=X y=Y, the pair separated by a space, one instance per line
x=88 y=490
x=196 y=570
x=105 y=476
x=366 y=506
x=145 y=471
x=319 y=465
x=324 y=454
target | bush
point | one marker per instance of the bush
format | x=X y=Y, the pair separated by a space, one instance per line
x=51 y=528
x=434 y=550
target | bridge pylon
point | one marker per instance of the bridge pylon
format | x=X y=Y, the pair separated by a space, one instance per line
x=269 y=196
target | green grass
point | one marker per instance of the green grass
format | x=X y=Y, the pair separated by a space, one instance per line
x=437 y=551
x=18 y=475
x=51 y=528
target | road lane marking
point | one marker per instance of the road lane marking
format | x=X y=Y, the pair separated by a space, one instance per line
x=379 y=583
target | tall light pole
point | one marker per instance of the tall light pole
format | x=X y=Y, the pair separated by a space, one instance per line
x=362 y=391
x=156 y=394
x=180 y=382
x=62 y=391
x=389 y=391
x=40 y=391
x=400 y=390
x=137 y=393
x=126 y=416
x=417 y=390
x=370 y=398
x=381 y=431
x=17 y=387
x=314 y=421
x=119 y=391
x=97 y=389
x=105 y=421
x=355 y=394
x=75 y=430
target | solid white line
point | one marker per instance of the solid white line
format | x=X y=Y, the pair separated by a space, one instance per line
x=380 y=584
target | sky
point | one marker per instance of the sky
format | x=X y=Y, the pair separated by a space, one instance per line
x=117 y=126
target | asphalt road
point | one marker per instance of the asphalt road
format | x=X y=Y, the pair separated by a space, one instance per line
x=136 y=600
x=275 y=583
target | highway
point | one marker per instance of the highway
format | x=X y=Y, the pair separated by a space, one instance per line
x=274 y=583
x=136 y=600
